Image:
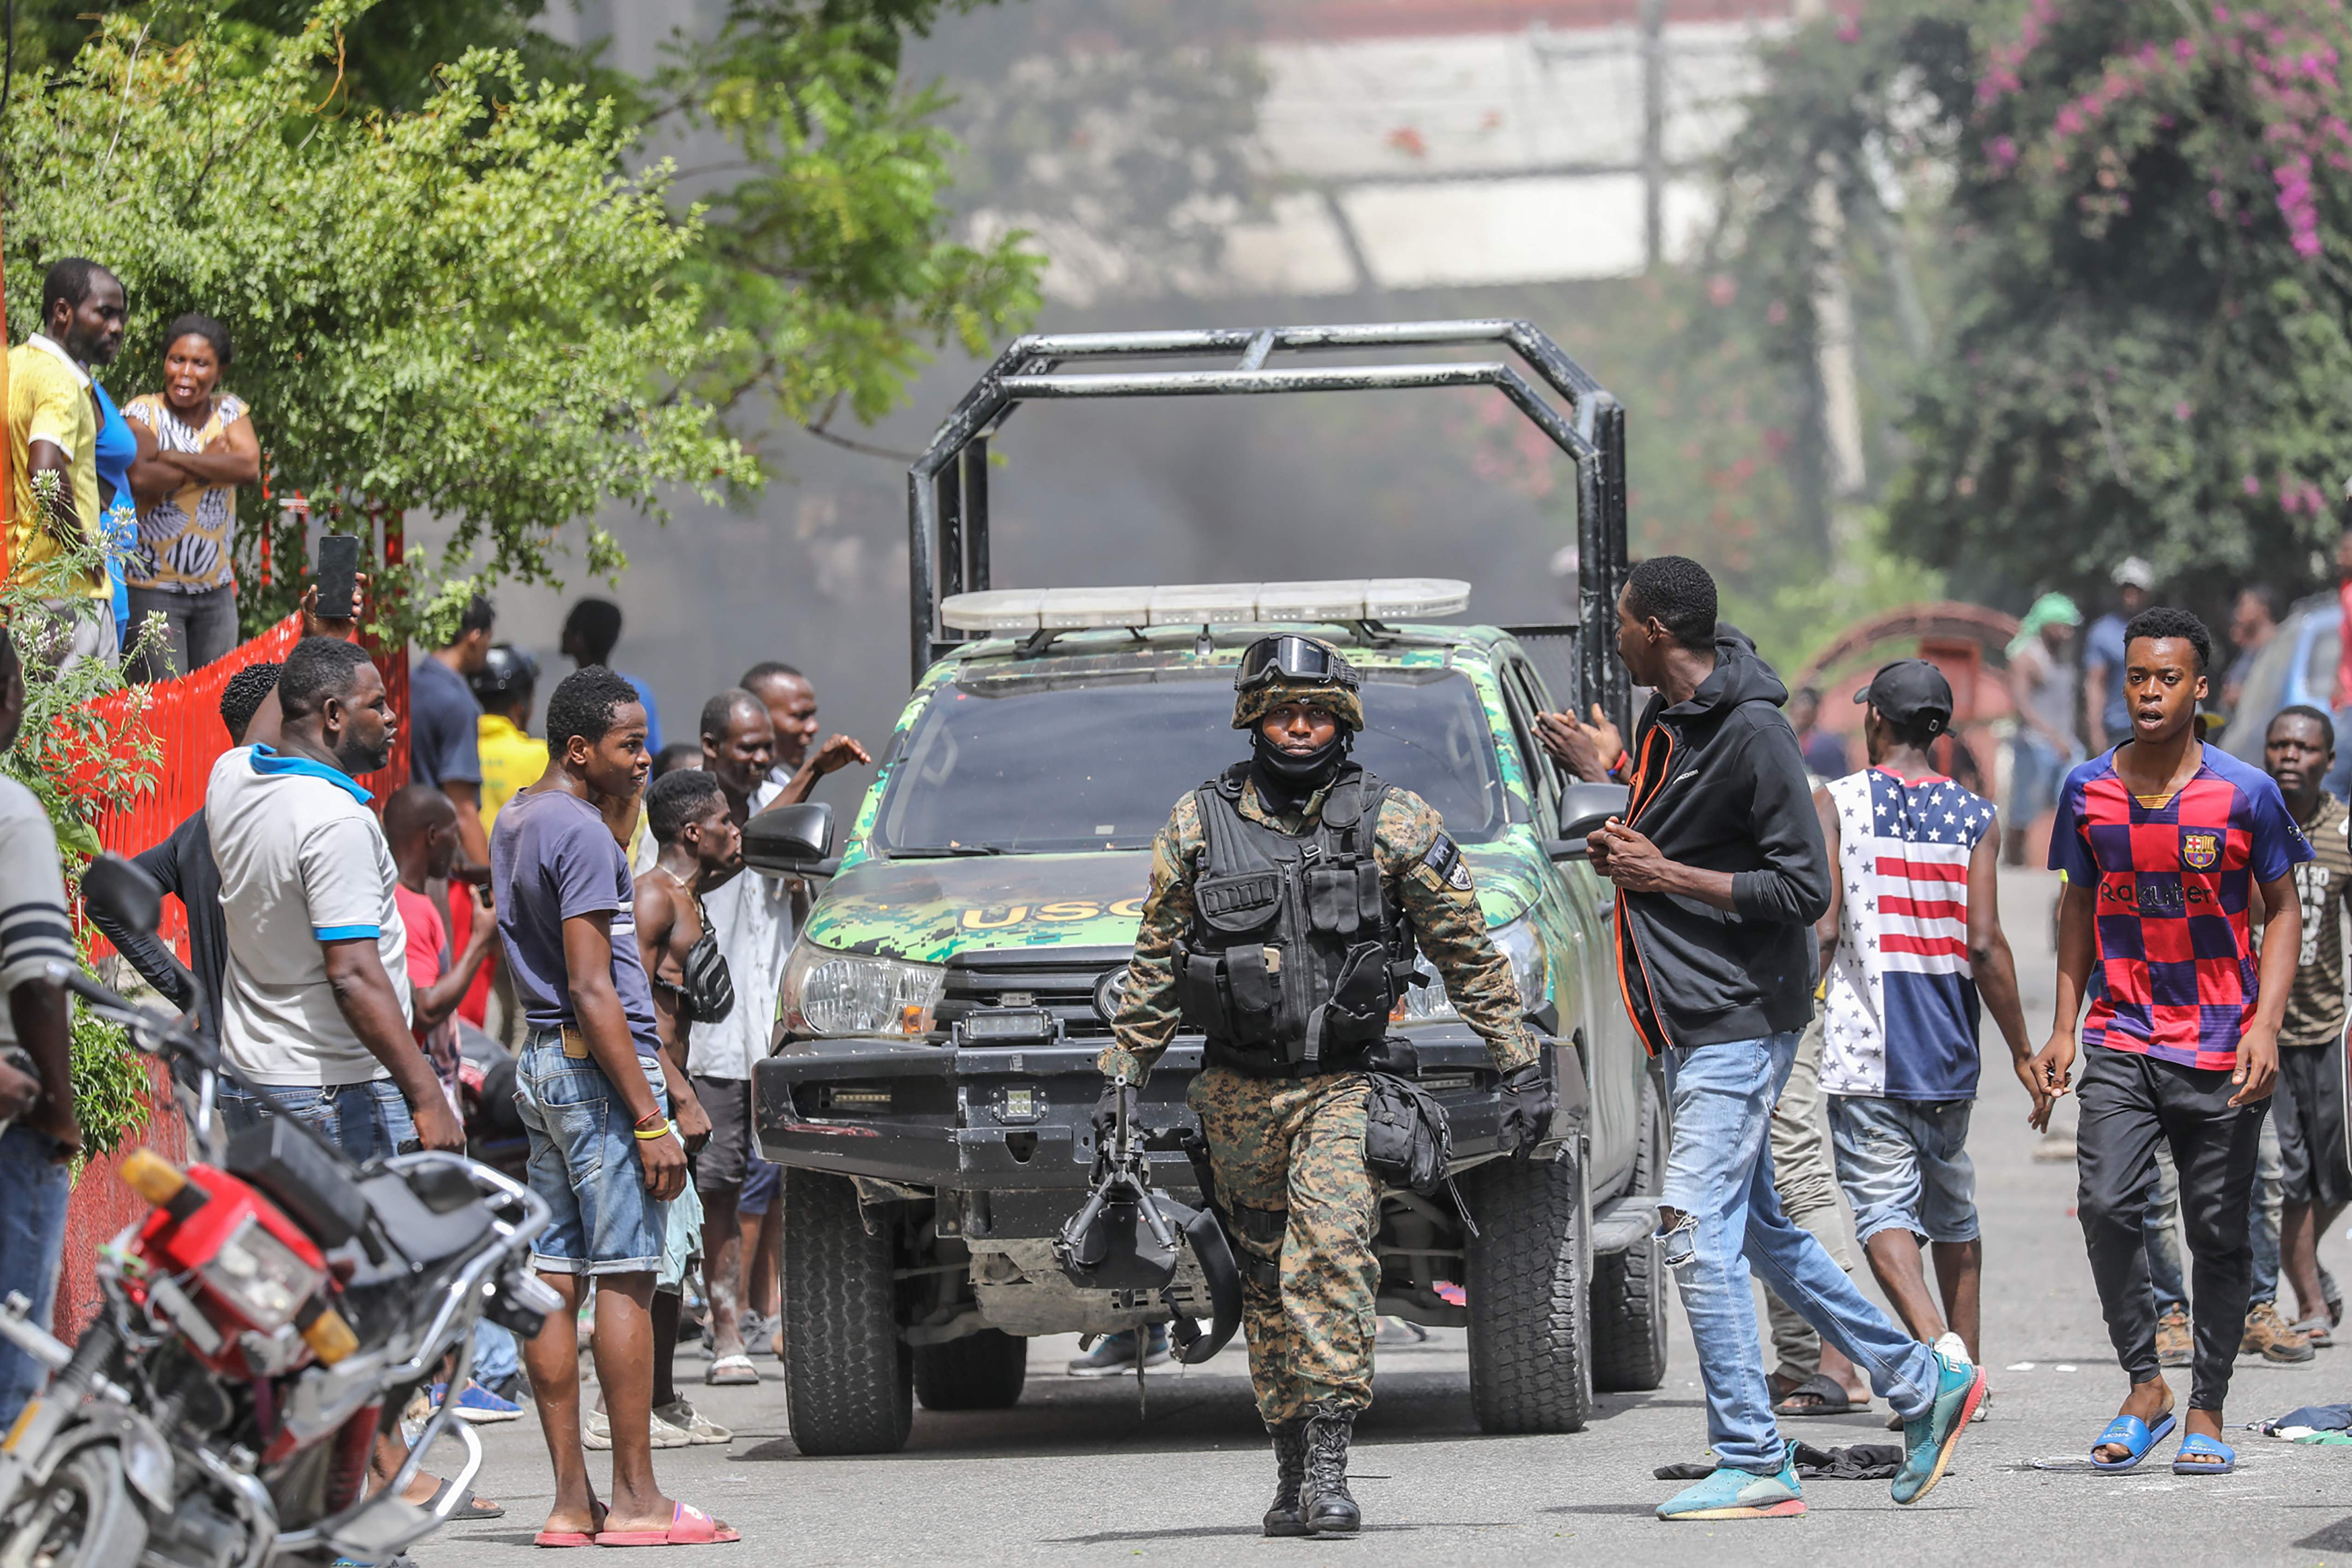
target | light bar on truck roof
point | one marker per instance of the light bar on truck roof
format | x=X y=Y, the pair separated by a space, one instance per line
x=1017 y=610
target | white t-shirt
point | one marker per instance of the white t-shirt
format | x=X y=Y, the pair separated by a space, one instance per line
x=302 y=861
x=33 y=925
x=752 y=917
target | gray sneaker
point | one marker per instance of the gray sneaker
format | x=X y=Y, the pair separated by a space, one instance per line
x=699 y=1429
x=1115 y=1353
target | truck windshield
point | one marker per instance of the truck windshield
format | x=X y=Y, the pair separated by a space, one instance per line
x=1041 y=765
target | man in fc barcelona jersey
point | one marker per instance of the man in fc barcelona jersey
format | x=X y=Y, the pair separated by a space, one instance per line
x=2172 y=849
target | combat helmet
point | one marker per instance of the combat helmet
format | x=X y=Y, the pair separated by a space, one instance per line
x=1293 y=668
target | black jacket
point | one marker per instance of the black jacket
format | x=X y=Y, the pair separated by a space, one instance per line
x=184 y=865
x=1719 y=784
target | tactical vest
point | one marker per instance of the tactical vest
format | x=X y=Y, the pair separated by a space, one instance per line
x=1296 y=951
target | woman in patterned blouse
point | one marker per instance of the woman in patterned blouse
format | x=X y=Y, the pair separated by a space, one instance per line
x=196 y=444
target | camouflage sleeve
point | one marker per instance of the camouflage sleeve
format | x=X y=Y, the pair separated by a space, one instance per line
x=1432 y=882
x=1147 y=1008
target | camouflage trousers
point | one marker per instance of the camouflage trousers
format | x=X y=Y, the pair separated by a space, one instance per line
x=1289 y=1155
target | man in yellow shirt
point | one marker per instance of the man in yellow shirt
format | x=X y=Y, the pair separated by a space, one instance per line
x=53 y=428
x=505 y=686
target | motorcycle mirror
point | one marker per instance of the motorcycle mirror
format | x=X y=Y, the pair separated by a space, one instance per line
x=122 y=893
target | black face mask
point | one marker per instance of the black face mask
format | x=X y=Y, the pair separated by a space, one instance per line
x=1284 y=779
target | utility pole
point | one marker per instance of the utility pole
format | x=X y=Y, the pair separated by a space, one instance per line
x=1654 y=133
x=1834 y=362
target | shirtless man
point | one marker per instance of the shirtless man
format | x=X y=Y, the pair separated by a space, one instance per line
x=700 y=849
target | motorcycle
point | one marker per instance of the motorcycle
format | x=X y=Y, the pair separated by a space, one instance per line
x=258 y=1331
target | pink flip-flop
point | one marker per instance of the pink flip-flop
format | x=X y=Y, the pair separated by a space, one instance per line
x=690 y=1526
x=573 y=1537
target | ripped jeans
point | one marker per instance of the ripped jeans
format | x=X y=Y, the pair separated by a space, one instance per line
x=1720 y=1178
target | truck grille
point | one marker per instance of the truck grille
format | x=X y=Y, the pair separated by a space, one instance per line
x=1061 y=979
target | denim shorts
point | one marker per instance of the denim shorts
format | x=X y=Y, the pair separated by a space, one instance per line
x=1906 y=1162
x=365 y=1121
x=583 y=1162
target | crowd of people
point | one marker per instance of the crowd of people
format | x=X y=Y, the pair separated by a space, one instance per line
x=2200 y=1019
x=362 y=962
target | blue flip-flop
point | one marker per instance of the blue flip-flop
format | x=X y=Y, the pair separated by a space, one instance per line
x=2198 y=1443
x=2134 y=1434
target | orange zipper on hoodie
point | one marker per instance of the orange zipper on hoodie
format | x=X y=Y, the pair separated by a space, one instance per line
x=1634 y=806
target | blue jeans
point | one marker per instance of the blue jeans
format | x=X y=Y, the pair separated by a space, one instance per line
x=33 y=1192
x=365 y=1121
x=1720 y=1178
x=496 y=1355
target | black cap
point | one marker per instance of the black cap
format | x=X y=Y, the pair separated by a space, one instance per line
x=1908 y=692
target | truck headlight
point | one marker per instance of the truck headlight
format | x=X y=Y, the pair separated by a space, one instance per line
x=831 y=992
x=1520 y=942
x=260 y=1277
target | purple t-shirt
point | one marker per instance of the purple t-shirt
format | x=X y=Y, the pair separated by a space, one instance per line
x=551 y=858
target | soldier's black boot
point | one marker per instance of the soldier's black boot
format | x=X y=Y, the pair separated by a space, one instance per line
x=1324 y=1503
x=1290 y=1462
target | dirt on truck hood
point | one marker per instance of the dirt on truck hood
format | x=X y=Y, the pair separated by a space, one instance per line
x=927 y=911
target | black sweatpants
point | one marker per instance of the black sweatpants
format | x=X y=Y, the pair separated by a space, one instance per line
x=2127 y=1103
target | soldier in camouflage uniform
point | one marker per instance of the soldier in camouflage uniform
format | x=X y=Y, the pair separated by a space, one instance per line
x=1286 y=948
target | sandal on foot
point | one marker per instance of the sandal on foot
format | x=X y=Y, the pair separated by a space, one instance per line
x=690 y=1526
x=731 y=1372
x=1825 y=1396
x=472 y=1507
x=2203 y=1456
x=2130 y=1432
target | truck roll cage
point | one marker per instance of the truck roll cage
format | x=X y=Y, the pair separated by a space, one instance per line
x=947 y=488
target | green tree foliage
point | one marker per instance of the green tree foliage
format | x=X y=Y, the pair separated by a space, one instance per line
x=457 y=279
x=2130 y=219
x=463 y=309
x=79 y=766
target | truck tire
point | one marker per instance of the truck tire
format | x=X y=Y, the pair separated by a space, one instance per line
x=848 y=1376
x=86 y=1516
x=1628 y=1287
x=1530 y=1340
x=978 y=1371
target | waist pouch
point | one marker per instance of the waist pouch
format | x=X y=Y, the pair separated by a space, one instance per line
x=1406 y=1140
x=709 y=993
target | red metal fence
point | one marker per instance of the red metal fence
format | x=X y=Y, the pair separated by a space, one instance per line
x=183 y=716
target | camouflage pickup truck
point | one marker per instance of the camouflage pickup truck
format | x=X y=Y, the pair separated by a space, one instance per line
x=931 y=1088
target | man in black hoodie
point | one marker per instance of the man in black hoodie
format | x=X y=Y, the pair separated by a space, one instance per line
x=1720 y=872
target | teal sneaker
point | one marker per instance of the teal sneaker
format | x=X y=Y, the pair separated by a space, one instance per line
x=1929 y=1437
x=1739 y=1494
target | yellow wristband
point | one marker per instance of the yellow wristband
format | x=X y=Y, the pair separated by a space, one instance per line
x=657 y=1132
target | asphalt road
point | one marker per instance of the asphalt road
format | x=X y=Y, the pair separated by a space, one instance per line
x=1079 y=1474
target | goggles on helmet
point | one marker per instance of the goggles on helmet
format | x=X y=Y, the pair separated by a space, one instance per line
x=1294 y=661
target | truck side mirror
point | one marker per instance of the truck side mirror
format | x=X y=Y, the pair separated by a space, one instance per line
x=1583 y=808
x=791 y=840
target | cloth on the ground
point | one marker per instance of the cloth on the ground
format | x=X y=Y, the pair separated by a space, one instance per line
x=2310 y=1418
x=1862 y=1462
